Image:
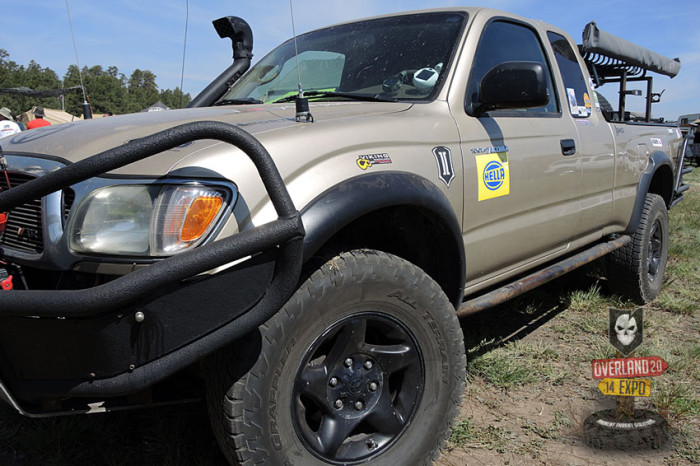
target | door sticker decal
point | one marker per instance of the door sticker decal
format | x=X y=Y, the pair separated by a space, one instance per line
x=493 y=175
x=446 y=170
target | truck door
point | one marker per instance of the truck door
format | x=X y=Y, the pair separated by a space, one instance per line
x=596 y=143
x=522 y=170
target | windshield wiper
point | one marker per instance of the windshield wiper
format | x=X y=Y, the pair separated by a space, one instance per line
x=349 y=95
x=247 y=100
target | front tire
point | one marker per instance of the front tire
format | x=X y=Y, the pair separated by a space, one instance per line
x=365 y=363
x=637 y=270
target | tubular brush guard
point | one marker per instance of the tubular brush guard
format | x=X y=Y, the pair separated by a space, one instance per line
x=96 y=311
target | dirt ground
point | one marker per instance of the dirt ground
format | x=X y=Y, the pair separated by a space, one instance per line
x=517 y=426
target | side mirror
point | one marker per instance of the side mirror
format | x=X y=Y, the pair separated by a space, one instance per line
x=513 y=85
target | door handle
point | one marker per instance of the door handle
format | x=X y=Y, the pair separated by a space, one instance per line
x=568 y=146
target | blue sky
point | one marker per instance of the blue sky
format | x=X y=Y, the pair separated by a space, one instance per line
x=149 y=34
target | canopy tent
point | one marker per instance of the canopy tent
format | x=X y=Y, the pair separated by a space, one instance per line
x=156 y=107
x=54 y=117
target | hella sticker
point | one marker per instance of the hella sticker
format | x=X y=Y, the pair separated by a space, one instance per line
x=494 y=175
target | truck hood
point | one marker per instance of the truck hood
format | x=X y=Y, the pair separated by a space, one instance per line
x=76 y=141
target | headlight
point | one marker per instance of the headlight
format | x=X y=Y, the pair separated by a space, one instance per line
x=145 y=220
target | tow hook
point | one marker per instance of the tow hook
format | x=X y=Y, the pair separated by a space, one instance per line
x=5 y=280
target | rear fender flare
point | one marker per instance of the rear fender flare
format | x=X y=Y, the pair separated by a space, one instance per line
x=656 y=161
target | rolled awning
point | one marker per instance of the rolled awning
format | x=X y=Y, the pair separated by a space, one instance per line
x=597 y=41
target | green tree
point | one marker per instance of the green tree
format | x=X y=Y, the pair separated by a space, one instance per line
x=175 y=98
x=107 y=90
x=33 y=76
x=143 y=90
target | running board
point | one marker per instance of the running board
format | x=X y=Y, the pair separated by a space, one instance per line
x=541 y=277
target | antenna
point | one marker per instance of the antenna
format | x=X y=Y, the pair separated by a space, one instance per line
x=301 y=102
x=184 y=49
x=87 y=113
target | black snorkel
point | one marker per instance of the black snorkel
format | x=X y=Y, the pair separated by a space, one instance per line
x=241 y=37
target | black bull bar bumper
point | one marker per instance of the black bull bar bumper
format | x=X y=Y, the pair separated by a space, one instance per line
x=87 y=342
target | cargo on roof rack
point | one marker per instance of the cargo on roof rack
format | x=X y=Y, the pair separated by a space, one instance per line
x=612 y=59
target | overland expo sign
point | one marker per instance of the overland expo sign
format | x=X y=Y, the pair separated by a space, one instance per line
x=625 y=426
x=649 y=366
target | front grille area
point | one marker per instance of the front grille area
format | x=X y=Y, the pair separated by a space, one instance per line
x=23 y=230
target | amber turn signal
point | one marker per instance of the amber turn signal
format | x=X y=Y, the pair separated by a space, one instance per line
x=201 y=213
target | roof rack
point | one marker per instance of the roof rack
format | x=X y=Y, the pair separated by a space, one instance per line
x=612 y=59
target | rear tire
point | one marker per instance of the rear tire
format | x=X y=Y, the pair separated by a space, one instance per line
x=637 y=270
x=365 y=363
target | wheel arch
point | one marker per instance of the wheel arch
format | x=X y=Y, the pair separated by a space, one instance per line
x=396 y=212
x=656 y=179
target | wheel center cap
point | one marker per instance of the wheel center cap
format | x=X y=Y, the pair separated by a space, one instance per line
x=355 y=385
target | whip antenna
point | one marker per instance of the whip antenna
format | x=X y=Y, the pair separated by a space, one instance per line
x=184 y=49
x=301 y=102
x=87 y=113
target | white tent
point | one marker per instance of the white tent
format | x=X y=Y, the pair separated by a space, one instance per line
x=156 y=107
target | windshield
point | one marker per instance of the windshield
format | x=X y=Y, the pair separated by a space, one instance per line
x=398 y=58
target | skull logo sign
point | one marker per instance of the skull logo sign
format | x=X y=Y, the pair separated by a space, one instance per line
x=626 y=328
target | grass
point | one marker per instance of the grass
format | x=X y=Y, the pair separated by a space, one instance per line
x=517 y=363
x=466 y=434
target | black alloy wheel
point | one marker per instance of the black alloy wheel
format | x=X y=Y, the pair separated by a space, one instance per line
x=357 y=388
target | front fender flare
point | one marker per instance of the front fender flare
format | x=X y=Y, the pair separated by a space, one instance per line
x=349 y=200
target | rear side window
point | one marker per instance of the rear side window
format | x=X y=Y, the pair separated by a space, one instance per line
x=504 y=41
x=574 y=81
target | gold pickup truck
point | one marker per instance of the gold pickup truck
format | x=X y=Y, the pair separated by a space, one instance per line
x=303 y=239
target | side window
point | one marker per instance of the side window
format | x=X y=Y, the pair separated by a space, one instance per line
x=503 y=41
x=574 y=82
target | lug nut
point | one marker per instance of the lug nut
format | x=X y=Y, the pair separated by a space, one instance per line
x=348 y=362
x=333 y=382
x=373 y=386
x=359 y=405
x=371 y=444
x=338 y=404
x=368 y=364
